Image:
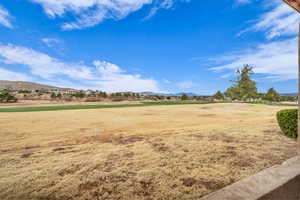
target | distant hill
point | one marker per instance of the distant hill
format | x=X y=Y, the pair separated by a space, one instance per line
x=290 y=94
x=22 y=85
x=186 y=93
x=170 y=94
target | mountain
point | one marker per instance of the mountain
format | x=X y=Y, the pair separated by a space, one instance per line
x=157 y=93
x=290 y=94
x=186 y=93
x=170 y=94
x=23 y=85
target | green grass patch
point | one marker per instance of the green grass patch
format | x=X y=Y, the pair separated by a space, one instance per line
x=80 y=107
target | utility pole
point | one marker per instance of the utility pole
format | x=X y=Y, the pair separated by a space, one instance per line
x=296 y=5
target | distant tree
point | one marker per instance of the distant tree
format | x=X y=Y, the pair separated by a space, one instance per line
x=244 y=87
x=288 y=98
x=219 y=96
x=59 y=95
x=102 y=94
x=127 y=94
x=6 y=97
x=272 y=95
x=79 y=94
x=118 y=94
x=184 y=97
x=53 y=95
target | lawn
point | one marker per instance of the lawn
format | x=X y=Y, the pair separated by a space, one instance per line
x=79 y=107
x=137 y=153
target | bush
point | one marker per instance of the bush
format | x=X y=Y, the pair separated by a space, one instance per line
x=288 y=122
x=184 y=97
x=6 y=97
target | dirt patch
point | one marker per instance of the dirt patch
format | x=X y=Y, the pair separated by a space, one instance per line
x=159 y=146
x=88 y=185
x=210 y=185
x=208 y=115
x=205 y=108
x=83 y=129
x=129 y=139
x=59 y=149
x=243 y=162
x=70 y=170
x=106 y=138
x=26 y=155
x=223 y=137
x=214 y=185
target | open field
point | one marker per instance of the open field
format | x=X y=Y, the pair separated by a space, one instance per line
x=34 y=103
x=137 y=153
x=97 y=106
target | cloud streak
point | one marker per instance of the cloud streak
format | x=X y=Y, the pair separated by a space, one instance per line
x=277 y=60
x=101 y=75
x=50 y=42
x=281 y=20
x=89 y=13
x=45 y=66
x=5 y=18
x=13 y=76
x=164 y=4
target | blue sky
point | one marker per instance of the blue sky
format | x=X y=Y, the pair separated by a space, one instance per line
x=148 y=45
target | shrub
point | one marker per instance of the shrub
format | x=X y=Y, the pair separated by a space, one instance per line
x=288 y=122
x=6 y=97
x=184 y=97
x=218 y=96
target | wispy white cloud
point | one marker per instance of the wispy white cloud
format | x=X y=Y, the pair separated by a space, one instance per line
x=281 y=20
x=166 y=81
x=101 y=75
x=41 y=64
x=50 y=42
x=226 y=75
x=13 y=76
x=113 y=78
x=242 y=2
x=89 y=13
x=5 y=18
x=277 y=60
x=164 y=4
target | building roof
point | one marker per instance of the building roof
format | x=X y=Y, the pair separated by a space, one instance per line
x=294 y=3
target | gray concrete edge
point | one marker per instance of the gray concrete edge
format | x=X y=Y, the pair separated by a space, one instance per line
x=263 y=183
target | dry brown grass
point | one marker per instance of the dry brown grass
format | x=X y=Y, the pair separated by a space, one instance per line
x=163 y=152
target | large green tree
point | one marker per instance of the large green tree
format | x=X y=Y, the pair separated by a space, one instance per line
x=244 y=87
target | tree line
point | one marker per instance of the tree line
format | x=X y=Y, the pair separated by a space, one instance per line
x=245 y=89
